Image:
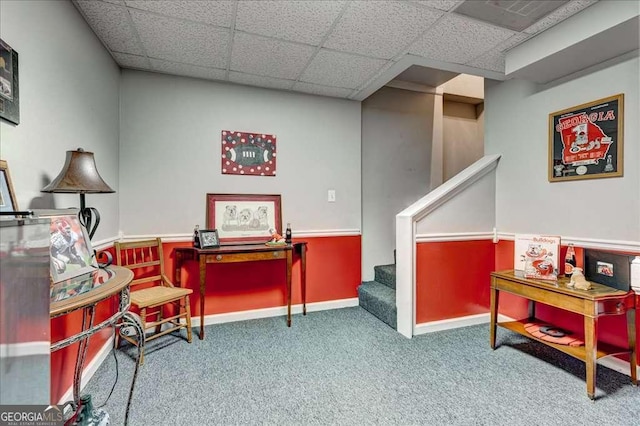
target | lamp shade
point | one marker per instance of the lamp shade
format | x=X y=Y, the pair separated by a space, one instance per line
x=79 y=175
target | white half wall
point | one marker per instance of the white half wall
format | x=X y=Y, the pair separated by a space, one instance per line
x=471 y=210
x=396 y=166
x=170 y=153
x=68 y=99
x=516 y=126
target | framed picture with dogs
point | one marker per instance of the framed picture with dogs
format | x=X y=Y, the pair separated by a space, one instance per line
x=244 y=218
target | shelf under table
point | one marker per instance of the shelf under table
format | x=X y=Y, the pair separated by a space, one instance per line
x=579 y=352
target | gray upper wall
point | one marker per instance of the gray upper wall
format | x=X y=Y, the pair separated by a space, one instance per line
x=69 y=88
x=170 y=153
x=516 y=126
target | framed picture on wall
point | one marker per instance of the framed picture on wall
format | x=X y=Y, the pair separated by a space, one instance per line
x=9 y=90
x=244 y=218
x=586 y=141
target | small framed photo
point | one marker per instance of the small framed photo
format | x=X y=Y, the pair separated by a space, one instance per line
x=209 y=238
x=71 y=252
x=7 y=196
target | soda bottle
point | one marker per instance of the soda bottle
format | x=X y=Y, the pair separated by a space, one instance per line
x=196 y=237
x=287 y=235
x=569 y=261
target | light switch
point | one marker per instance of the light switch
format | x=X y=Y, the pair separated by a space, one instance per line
x=331 y=196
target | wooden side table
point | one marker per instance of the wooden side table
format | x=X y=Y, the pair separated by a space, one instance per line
x=592 y=304
x=245 y=253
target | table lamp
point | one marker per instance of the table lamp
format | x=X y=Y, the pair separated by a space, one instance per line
x=80 y=176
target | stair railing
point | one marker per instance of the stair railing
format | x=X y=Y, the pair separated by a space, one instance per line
x=406 y=225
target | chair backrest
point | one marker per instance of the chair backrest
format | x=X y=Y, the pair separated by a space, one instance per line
x=144 y=258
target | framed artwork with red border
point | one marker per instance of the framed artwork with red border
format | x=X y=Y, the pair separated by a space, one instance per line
x=244 y=218
x=251 y=154
x=586 y=141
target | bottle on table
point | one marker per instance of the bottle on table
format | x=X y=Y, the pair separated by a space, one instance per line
x=569 y=261
x=196 y=237
x=287 y=235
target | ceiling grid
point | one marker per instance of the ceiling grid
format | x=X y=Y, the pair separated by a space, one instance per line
x=324 y=47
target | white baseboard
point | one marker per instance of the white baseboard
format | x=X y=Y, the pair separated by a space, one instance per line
x=451 y=323
x=8 y=350
x=90 y=369
x=616 y=364
x=272 y=312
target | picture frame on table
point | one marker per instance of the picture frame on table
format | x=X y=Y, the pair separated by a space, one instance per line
x=586 y=141
x=209 y=238
x=9 y=88
x=7 y=195
x=244 y=218
x=71 y=251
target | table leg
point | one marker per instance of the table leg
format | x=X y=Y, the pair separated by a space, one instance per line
x=203 y=281
x=303 y=276
x=532 y=309
x=495 y=295
x=178 y=268
x=591 y=348
x=633 y=360
x=87 y=316
x=132 y=321
x=289 y=264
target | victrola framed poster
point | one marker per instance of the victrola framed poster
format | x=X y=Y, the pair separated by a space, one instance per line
x=586 y=141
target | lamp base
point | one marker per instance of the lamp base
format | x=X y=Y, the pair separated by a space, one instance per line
x=89 y=416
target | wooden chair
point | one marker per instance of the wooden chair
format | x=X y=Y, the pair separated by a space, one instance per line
x=151 y=289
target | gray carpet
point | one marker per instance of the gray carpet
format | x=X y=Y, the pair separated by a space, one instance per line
x=345 y=367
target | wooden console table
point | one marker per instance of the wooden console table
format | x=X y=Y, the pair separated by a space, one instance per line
x=599 y=301
x=245 y=253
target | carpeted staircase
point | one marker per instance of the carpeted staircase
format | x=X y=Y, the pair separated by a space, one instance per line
x=379 y=296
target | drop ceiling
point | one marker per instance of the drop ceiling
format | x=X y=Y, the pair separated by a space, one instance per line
x=329 y=48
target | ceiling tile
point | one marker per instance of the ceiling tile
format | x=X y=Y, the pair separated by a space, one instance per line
x=273 y=58
x=111 y=23
x=339 y=69
x=212 y=12
x=302 y=21
x=260 y=81
x=440 y=4
x=459 y=40
x=380 y=28
x=315 y=89
x=188 y=70
x=192 y=43
x=131 y=61
x=559 y=15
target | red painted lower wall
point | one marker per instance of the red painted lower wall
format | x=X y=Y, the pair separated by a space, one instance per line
x=452 y=279
x=333 y=273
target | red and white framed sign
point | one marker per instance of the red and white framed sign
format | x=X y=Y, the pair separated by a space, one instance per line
x=245 y=153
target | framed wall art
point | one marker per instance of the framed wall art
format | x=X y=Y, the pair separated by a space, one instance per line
x=71 y=252
x=209 y=238
x=7 y=196
x=586 y=141
x=244 y=218
x=251 y=154
x=9 y=89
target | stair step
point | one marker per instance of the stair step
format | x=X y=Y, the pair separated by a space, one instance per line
x=379 y=300
x=386 y=274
